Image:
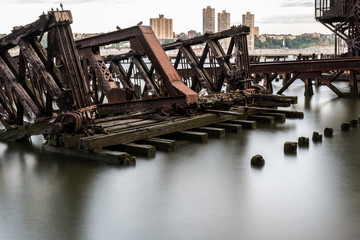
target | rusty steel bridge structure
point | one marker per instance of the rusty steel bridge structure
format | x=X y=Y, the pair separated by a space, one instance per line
x=81 y=100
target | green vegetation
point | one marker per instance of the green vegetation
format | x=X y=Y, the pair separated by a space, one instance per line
x=301 y=41
x=270 y=43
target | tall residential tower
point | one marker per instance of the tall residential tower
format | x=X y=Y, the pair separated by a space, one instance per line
x=223 y=24
x=223 y=21
x=249 y=20
x=162 y=27
x=208 y=20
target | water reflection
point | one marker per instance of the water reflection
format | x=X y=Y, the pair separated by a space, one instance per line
x=46 y=194
x=200 y=191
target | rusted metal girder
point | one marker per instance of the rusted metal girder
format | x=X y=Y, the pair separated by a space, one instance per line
x=323 y=65
x=306 y=70
x=214 y=55
x=211 y=69
x=41 y=80
x=143 y=42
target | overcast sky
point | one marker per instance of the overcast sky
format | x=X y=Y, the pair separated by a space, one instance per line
x=90 y=16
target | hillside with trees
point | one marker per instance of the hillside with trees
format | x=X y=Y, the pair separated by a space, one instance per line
x=301 y=41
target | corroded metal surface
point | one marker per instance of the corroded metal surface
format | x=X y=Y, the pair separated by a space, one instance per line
x=142 y=40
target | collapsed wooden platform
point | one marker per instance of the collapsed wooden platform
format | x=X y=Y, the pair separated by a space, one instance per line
x=142 y=134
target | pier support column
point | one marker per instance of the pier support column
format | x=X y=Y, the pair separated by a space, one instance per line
x=257 y=78
x=353 y=82
x=267 y=83
x=287 y=77
x=308 y=87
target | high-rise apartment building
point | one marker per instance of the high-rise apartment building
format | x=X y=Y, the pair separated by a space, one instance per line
x=223 y=24
x=223 y=21
x=208 y=20
x=162 y=27
x=249 y=20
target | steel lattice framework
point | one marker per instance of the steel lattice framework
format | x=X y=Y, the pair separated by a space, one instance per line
x=343 y=18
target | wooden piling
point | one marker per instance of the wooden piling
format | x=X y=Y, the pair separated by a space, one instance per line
x=328 y=132
x=257 y=161
x=345 y=126
x=303 y=142
x=354 y=123
x=316 y=137
x=290 y=147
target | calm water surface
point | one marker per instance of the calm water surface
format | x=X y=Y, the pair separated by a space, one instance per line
x=200 y=191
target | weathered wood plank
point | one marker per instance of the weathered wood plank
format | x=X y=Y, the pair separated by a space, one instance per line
x=118 y=122
x=288 y=113
x=278 y=117
x=211 y=131
x=128 y=125
x=28 y=130
x=124 y=116
x=245 y=123
x=163 y=128
x=229 y=127
x=161 y=144
x=144 y=150
x=262 y=119
x=236 y=113
x=201 y=137
x=269 y=100
x=119 y=158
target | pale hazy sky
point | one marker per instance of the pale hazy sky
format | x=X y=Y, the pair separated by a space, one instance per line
x=272 y=16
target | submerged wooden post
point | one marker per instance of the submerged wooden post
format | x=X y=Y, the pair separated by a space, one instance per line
x=328 y=132
x=290 y=147
x=303 y=142
x=345 y=126
x=317 y=137
x=308 y=87
x=353 y=82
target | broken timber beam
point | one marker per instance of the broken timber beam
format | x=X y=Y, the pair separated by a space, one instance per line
x=119 y=158
x=27 y=130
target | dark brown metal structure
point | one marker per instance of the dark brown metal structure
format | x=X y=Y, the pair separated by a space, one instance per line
x=308 y=71
x=42 y=80
x=81 y=102
x=110 y=77
x=208 y=71
x=213 y=57
x=342 y=17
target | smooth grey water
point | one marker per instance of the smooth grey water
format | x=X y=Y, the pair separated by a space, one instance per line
x=200 y=191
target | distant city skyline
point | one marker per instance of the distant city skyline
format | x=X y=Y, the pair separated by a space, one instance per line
x=273 y=17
